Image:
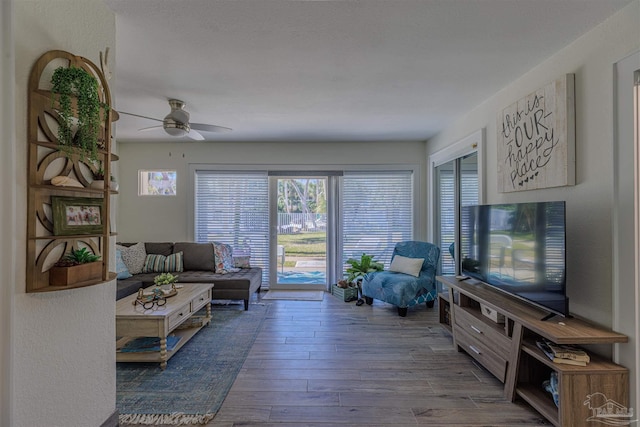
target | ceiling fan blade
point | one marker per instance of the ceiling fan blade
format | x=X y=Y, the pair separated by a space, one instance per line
x=138 y=115
x=209 y=128
x=150 y=128
x=195 y=135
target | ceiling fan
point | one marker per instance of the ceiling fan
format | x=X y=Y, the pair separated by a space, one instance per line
x=176 y=123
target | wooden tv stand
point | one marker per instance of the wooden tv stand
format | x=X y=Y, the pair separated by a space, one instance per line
x=509 y=352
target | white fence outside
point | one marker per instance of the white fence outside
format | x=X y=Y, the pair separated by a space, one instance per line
x=292 y=223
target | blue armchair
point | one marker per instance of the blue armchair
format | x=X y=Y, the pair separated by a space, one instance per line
x=405 y=290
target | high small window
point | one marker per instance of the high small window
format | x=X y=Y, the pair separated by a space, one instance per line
x=157 y=182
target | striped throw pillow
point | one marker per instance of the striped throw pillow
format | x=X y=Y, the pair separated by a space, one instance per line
x=155 y=263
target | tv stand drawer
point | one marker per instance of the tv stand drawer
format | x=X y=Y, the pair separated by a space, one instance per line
x=494 y=363
x=476 y=325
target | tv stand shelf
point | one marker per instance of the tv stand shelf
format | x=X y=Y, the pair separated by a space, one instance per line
x=509 y=352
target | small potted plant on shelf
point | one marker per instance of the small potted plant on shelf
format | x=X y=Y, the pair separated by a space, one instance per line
x=70 y=83
x=79 y=265
x=98 y=179
x=113 y=184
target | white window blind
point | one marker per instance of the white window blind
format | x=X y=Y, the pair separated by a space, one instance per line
x=233 y=208
x=377 y=213
x=446 y=204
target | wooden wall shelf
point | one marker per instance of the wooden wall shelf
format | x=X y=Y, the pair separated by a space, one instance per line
x=46 y=160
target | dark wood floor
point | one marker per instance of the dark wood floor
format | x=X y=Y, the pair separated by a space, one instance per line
x=326 y=363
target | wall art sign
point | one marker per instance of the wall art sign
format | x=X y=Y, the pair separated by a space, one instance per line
x=536 y=139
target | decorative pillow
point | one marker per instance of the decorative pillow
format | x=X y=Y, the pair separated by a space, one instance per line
x=156 y=263
x=121 y=269
x=133 y=257
x=241 y=261
x=162 y=248
x=224 y=258
x=197 y=256
x=402 y=264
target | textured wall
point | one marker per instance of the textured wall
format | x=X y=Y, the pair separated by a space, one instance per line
x=591 y=284
x=63 y=342
x=589 y=202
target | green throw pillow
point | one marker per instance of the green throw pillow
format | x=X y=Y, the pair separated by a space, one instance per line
x=155 y=263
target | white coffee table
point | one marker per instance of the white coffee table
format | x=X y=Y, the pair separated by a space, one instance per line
x=134 y=321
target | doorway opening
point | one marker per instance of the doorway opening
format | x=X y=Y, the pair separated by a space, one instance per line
x=300 y=232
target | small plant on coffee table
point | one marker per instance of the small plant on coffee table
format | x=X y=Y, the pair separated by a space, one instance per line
x=165 y=279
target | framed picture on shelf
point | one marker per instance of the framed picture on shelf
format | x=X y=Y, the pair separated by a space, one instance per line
x=76 y=215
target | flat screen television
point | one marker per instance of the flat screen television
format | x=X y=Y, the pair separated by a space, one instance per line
x=518 y=248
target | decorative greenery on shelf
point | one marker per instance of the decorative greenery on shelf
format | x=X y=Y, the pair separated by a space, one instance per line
x=358 y=268
x=77 y=257
x=98 y=174
x=76 y=82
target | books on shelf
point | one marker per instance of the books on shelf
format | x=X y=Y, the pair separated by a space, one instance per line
x=565 y=354
x=569 y=352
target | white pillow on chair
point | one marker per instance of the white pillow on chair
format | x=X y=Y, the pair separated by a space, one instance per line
x=402 y=264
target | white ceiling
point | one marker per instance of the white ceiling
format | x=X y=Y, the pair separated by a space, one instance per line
x=330 y=70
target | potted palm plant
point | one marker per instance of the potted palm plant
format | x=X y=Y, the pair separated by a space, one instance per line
x=358 y=268
x=350 y=287
x=79 y=265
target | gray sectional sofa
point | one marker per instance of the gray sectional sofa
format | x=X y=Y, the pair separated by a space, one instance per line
x=199 y=267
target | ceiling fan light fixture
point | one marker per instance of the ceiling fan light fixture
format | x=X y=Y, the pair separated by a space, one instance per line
x=174 y=128
x=176 y=123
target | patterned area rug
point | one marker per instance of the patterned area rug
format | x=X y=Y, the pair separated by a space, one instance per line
x=197 y=379
x=295 y=295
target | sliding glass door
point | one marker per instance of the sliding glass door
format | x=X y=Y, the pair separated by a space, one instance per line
x=456 y=174
x=233 y=208
x=457 y=186
x=300 y=229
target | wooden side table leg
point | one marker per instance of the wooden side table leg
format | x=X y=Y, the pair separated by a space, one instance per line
x=163 y=353
x=209 y=310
